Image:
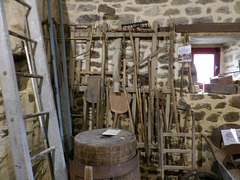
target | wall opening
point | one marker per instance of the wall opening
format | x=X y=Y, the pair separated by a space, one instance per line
x=207 y=63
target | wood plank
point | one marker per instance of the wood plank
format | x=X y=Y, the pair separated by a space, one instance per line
x=221 y=88
x=88 y=173
x=204 y=27
x=177 y=134
x=185 y=151
x=113 y=35
x=116 y=65
x=169 y=167
x=222 y=80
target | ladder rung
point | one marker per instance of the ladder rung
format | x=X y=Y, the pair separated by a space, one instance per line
x=151 y=145
x=177 y=151
x=24 y=4
x=169 y=167
x=76 y=115
x=46 y=151
x=22 y=37
x=29 y=75
x=177 y=134
x=35 y=115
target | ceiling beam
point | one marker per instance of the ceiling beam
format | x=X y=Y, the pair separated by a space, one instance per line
x=204 y=27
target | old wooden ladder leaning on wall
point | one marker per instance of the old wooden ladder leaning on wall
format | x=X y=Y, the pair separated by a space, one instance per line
x=46 y=111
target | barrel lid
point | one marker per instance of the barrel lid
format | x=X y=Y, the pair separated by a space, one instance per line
x=95 y=138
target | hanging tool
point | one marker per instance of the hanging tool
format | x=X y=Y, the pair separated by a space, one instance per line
x=150 y=114
x=171 y=76
x=92 y=95
x=102 y=102
x=108 y=112
x=127 y=94
x=146 y=142
x=116 y=65
x=136 y=78
x=118 y=104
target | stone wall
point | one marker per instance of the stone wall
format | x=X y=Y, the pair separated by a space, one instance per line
x=211 y=111
x=230 y=59
x=114 y=12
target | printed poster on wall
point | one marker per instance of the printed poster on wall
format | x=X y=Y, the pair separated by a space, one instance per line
x=185 y=53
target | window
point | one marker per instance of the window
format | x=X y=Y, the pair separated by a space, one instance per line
x=207 y=63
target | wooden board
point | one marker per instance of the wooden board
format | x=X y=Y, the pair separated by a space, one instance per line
x=92 y=93
x=222 y=80
x=118 y=101
x=221 y=88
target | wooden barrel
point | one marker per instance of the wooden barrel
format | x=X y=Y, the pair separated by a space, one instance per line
x=111 y=157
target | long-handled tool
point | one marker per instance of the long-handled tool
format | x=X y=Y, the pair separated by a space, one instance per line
x=127 y=94
x=92 y=95
x=171 y=77
x=118 y=104
x=117 y=65
x=108 y=112
x=146 y=142
x=136 y=78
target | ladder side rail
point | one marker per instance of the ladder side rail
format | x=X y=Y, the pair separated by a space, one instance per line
x=54 y=137
x=24 y=4
x=193 y=140
x=30 y=61
x=16 y=126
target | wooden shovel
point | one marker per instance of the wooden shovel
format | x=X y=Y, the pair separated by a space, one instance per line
x=118 y=104
x=92 y=95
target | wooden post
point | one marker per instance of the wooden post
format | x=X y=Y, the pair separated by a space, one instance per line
x=135 y=74
x=171 y=73
x=72 y=65
x=153 y=68
x=182 y=79
x=104 y=53
x=137 y=49
x=88 y=173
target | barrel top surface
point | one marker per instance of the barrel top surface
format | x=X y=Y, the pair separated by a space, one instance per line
x=95 y=138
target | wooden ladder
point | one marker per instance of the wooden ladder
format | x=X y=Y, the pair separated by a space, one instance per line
x=46 y=112
x=187 y=133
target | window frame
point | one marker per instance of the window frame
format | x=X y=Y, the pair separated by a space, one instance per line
x=216 y=52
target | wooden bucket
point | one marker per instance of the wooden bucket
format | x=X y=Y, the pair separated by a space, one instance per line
x=111 y=157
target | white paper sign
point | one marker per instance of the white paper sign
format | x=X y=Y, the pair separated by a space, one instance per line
x=185 y=53
x=111 y=132
x=230 y=136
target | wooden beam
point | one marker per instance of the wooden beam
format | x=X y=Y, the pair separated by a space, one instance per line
x=204 y=27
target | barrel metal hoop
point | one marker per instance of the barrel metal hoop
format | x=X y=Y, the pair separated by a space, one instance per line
x=104 y=172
